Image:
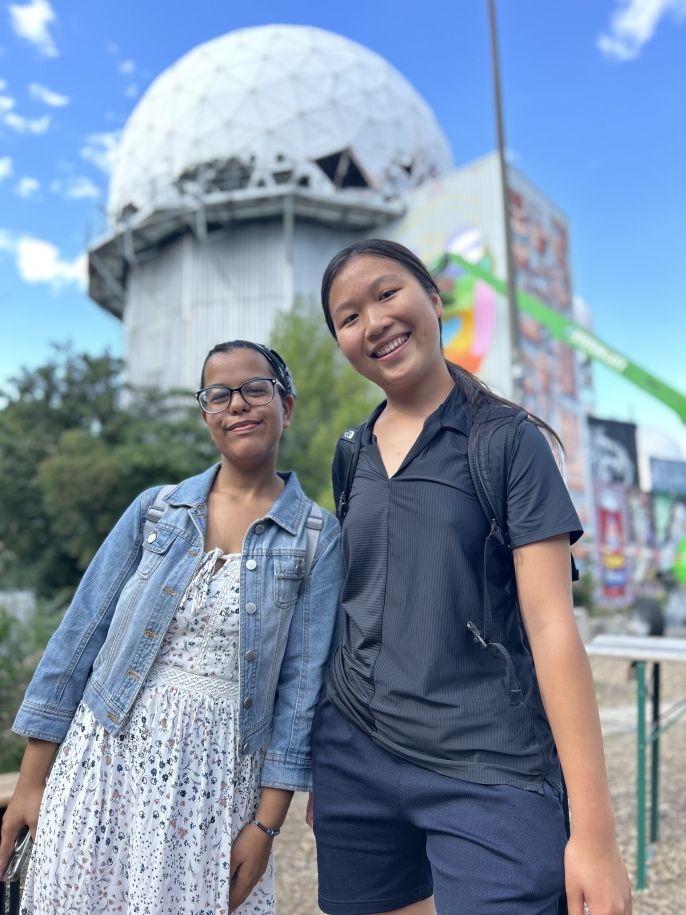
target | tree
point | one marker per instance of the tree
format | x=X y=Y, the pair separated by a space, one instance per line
x=332 y=397
x=69 y=392
x=72 y=456
x=21 y=645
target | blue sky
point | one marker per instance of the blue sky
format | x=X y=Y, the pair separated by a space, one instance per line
x=595 y=117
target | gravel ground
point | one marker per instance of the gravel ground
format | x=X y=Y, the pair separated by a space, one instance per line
x=666 y=890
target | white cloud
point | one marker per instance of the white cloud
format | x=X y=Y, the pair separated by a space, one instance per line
x=6 y=102
x=27 y=186
x=76 y=188
x=39 y=261
x=48 y=96
x=101 y=149
x=131 y=91
x=32 y=21
x=6 y=167
x=634 y=24
x=126 y=67
x=27 y=125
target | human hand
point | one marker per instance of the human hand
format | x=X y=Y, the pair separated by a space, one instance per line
x=249 y=859
x=22 y=811
x=309 y=815
x=596 y=875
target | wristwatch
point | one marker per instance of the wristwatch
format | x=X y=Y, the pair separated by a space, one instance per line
x=271 y=832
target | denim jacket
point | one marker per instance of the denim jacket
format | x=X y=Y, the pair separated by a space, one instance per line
x=111 y=633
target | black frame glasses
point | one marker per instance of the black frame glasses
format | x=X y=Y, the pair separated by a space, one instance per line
x=251 y=400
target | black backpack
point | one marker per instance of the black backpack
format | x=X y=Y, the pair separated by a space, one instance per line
x=491 y=439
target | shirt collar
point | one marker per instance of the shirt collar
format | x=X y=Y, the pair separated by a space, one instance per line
x=451 y=414
x=453 y=411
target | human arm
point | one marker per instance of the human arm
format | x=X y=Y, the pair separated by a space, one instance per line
x=308 y=648
x=594 y=870
x=26 y=800
x=251 y=848
x=57 y=686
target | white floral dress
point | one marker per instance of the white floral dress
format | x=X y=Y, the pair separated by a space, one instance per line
x=142 y=822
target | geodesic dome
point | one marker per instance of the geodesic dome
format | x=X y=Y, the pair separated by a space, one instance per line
x=271 y=106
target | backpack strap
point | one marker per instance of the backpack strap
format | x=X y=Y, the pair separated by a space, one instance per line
x=491 y=440
x=489 y=450
x=157 y=509
x=344 y=466
x=313 y=528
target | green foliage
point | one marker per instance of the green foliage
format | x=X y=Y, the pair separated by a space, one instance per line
x=13 y=681
x=332 y=397
x=584 y=591
x=21 y=645
x=75 y=449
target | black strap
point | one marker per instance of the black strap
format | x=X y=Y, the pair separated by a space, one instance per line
x=344 y=467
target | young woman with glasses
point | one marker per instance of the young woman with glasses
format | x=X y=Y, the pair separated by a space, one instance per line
x=178 y=691
x=460 y=675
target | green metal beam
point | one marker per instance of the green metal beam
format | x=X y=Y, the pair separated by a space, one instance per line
x=641 y=776
x=577 y=337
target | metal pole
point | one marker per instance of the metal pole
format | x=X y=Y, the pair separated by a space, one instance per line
x=641 y=777
x=655 y=758
x=513 y=311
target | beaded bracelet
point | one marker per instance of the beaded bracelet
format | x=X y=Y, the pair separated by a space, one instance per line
x=269 y=830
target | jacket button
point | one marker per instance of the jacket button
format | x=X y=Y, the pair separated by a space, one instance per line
x=251 y=565
x=250 y=655
x=250 y=608
x=247 y=703
x=259 y=528
x=152 y=538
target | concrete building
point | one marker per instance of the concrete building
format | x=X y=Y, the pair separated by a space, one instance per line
x=243 y=169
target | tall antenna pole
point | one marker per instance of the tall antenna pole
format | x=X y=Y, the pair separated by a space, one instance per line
x=513 y=311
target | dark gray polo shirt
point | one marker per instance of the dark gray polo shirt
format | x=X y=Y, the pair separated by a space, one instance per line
x=408 y=671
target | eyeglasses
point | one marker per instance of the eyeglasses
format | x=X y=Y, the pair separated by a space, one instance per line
x=255 y=391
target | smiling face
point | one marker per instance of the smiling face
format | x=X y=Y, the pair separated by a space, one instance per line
x=386 y=322
x=246 y=435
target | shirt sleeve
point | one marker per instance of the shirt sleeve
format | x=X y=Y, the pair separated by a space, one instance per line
x=538 y=503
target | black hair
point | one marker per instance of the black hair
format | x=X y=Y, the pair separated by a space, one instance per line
x=475 y=390
x=373 y=247
x=281 y=371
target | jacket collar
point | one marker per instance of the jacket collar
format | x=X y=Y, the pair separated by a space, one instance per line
x=287 y=511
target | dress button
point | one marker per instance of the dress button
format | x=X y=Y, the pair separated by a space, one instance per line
x=247 y=703
x=251 y=565
x=250 y=655
x=250 y=608
x=152 y=538
x=259 y=528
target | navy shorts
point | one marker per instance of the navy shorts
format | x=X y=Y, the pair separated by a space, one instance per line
x=390 y=833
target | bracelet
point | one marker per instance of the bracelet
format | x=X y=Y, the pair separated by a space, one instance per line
x=271 y=832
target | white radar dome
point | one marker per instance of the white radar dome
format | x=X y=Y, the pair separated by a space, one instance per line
x=275 y=105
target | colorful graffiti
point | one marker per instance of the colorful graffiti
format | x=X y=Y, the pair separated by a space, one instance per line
x=469 y=304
